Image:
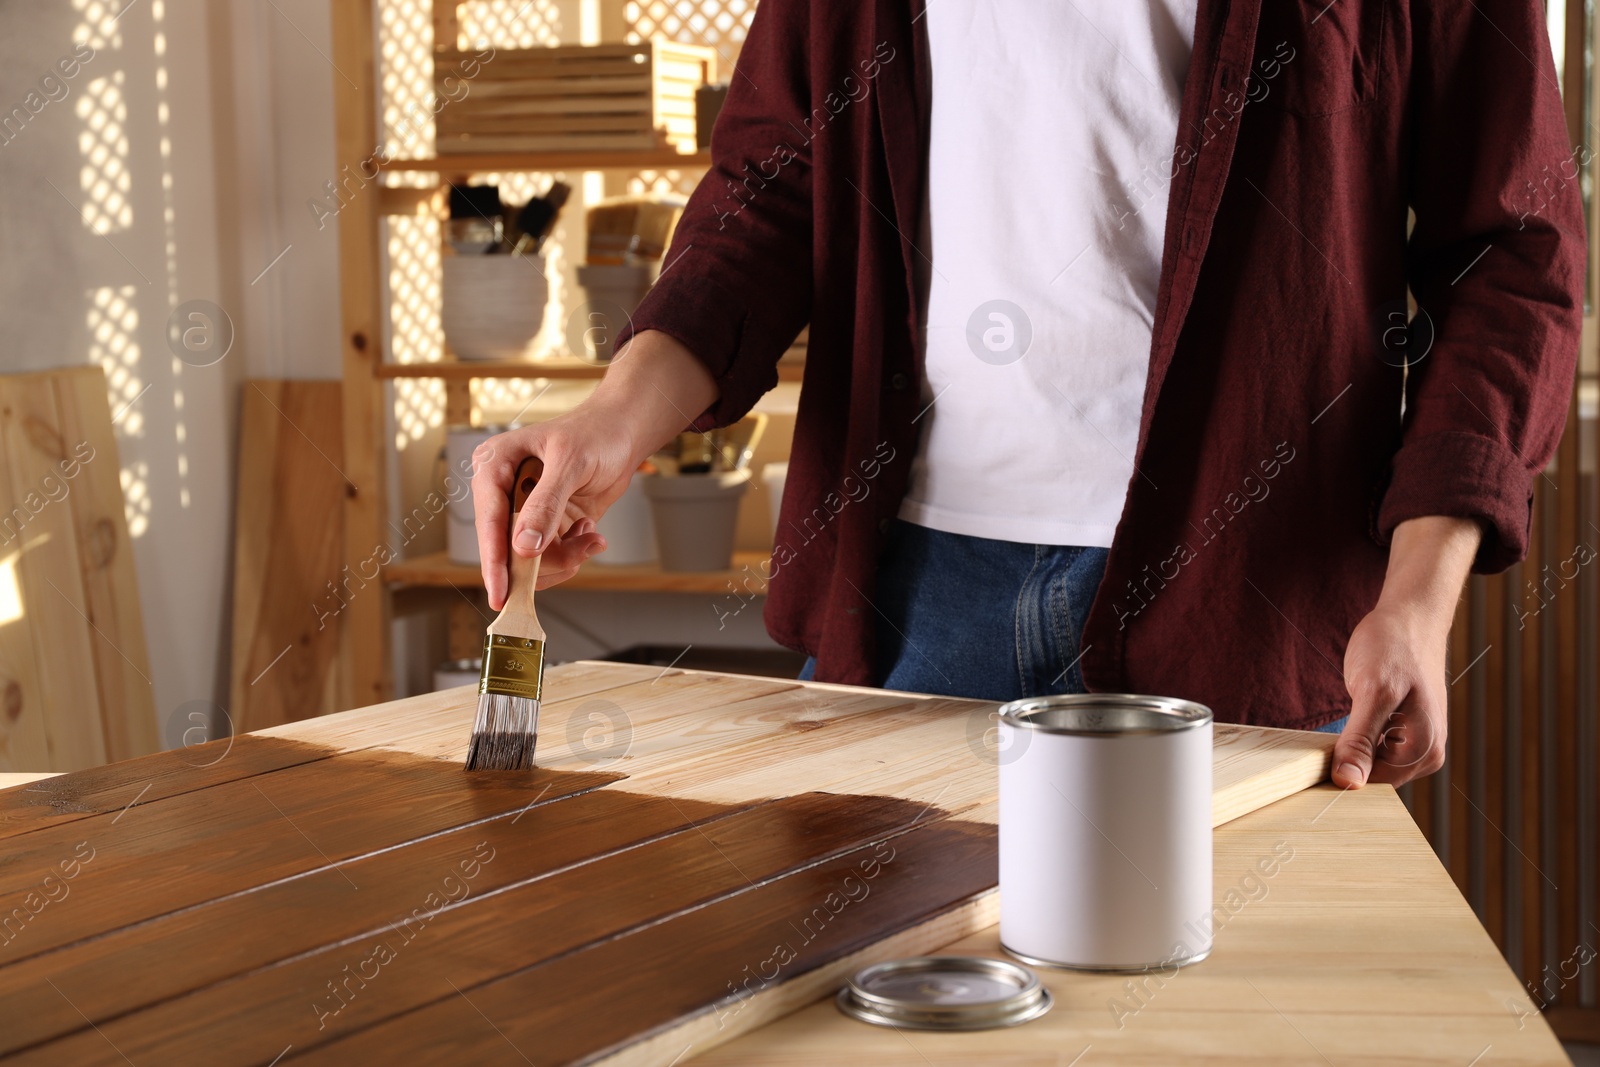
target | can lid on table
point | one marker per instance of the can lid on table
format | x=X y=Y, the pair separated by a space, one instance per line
x=945 y=993
x=1105 y=714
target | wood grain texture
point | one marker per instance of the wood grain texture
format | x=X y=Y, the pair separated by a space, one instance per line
x=177 y=952
x=74 y=670
x=395 y=726
x=743 y=578
x=573 y=97
x=625 y=901
x=363 y=633
x=110 y=588
x=289 y=586
x=50 y=570
x=1359 y=949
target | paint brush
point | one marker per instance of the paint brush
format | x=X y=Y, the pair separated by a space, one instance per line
x=507 y=726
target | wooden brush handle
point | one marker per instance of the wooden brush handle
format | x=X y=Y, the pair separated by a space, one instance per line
x=517 y=618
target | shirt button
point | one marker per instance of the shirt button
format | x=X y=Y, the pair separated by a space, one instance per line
x=899 y=382
x=883 y=526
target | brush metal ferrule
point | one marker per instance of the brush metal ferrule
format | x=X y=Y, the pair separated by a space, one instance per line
x=512 y=666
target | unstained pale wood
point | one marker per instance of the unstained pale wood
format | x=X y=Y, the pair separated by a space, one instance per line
x=591 y=159
x=567 y=367
x=1359 y=949
x=363 y=633
x=74 y=671
x=612 y=97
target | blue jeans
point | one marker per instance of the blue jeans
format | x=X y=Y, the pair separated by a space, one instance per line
x=992 y=620
x=970 y=617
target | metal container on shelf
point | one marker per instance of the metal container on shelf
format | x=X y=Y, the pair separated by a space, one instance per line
x=1105 y=831
x=453 y=673
x=461 y=536
x=628 y=528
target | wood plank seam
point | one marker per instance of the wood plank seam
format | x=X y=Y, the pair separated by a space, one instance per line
x=46 y=790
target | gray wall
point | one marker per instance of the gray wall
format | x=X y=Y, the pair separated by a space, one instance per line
x=222 y=127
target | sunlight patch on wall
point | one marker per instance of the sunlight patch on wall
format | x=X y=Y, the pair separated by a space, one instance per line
x=103 y=143
x=99 y=23
x=113 y=323
x=136 y=497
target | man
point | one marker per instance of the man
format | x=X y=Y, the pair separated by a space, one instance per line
x=1107 y=307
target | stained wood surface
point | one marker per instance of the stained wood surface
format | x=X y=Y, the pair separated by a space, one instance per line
x=289 y=589
x=74 y=671
x=696 y=854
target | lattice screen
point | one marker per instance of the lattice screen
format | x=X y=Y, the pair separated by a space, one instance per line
x=405 y=32
x=644 y=182
x=722 y=24
x=513 y=24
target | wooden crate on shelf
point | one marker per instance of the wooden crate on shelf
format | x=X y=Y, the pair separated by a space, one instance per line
x=606 y=97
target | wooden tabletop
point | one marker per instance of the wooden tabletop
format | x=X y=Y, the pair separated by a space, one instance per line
x=340 y=891
x=1358 y=949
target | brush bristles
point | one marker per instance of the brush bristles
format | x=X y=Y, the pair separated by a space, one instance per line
x=504 y=733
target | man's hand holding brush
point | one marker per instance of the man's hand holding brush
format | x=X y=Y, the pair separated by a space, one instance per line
x=651 y=392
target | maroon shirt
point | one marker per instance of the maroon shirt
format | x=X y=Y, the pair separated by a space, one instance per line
x=1273 y=461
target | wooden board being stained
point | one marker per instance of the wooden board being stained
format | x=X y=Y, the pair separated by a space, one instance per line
x=74 y=672
x=288 y=589
x=696 y=853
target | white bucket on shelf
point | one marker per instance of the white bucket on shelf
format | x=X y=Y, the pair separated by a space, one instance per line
x=492 y=305
x=628 y=528
x=456 y=672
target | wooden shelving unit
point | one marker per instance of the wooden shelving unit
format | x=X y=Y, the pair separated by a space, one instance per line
x=507 y=162
x=451 y=370
x=435 y=570
x=364 y=639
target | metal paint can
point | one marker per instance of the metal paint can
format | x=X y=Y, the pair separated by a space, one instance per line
x=461 y=535
x=1105 y=831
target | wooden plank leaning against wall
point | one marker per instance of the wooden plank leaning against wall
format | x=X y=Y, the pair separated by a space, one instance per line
x=74 y=673
x=288 y=587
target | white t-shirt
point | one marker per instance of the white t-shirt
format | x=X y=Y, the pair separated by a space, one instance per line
x=1051 y=154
